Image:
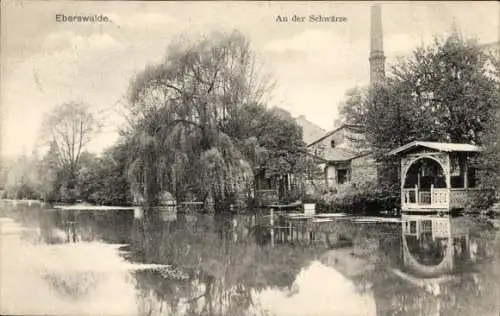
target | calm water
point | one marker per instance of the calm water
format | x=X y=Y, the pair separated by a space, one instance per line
x=116 y=263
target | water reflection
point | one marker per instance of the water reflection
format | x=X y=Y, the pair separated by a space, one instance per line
x=180 y=264
x=227 y=259
x=69 y=279
x=434 y=245
x=448 y=268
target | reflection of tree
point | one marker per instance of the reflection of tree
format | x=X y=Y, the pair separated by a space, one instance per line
x=376 y=248
x=84 y=226
x=224 y=270
x=226 y=264
x=468 y=292
x=167 y=292
x=471 y=294
x=74 y=285
x=224 y=273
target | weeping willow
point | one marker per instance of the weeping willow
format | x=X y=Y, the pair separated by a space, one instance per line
x=180 y=114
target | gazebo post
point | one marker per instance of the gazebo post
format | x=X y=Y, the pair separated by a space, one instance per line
x=432 y=192
x=417 y=199
x=402 y=180
x=466 y=177
x=418 y=178
x=448 y=179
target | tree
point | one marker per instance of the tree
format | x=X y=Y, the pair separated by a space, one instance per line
x=280 y=148
x=442 y=92
x=48 y=170
x=68 y=129
x=22 y=178
x=103 y=180
x=353 y=109
x=488 y=163
x=181 y=109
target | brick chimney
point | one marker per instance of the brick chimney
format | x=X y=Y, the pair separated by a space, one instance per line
x=377 y=58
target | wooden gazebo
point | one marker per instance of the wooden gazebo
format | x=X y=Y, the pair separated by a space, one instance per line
x=435 y=177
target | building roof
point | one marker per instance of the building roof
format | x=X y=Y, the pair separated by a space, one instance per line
x=336 y=155
x=447 y=147
x=351 y=126
x=282 y=113
x=492 y=45
x=310 y=131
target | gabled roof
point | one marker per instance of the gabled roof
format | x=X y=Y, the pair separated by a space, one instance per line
x=491 y=45
x=336 y=155
x=447 y=147
x=310 y=131
x=351 y=126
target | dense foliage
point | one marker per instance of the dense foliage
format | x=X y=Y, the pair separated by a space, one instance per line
x=200 y=129
x=442 y=93
x=103 y=180
x=200 y=126
x=446 y=92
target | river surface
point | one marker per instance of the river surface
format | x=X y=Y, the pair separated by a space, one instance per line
x=56 y=262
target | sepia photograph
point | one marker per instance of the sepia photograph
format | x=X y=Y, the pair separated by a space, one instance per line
x=258 y=158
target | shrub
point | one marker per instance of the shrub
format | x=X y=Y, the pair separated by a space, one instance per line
x=293 y=196
x=366 y=198
x=481 y=201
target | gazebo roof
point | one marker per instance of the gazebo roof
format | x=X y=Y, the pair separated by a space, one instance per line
x=446 y=147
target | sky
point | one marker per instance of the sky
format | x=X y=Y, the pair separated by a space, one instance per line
x=45 y=62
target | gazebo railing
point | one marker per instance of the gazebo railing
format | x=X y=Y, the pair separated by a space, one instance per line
x=409 y=196
x=424 y=197
x=459 y=197
x=437 y=198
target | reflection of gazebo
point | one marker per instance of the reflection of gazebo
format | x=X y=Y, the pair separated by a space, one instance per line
x=435 y=176
x=434 y=245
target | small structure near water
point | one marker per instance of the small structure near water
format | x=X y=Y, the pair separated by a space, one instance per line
x=435 y=177
x=167 y=201
x=309 y=209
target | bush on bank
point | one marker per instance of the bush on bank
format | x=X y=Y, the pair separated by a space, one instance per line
x=367 y=199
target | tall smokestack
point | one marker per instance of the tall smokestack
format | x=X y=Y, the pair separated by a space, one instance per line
x=377 y=58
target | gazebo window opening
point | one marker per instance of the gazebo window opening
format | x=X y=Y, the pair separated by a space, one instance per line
x=457 y=171
x=425 y=173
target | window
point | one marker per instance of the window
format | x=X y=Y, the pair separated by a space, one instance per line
x=332 y=143
x=342 y=176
